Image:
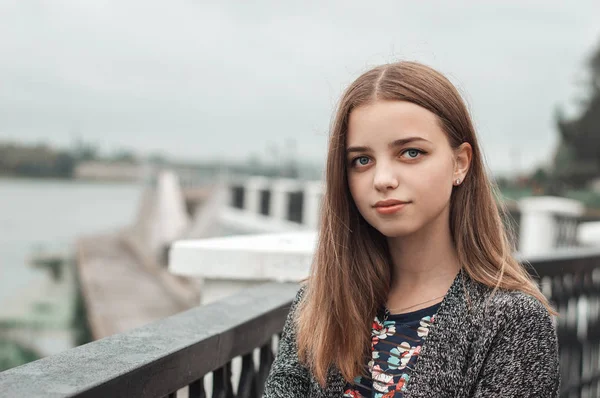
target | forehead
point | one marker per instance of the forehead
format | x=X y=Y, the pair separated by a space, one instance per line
x=386 y=121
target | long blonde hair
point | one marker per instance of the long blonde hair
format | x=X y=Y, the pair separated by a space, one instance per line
x=351 y=272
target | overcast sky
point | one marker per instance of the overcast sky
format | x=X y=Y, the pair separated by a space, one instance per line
x=199 y=80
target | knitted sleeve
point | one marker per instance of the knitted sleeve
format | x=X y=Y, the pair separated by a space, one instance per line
x=288 y=378
x=523 y=358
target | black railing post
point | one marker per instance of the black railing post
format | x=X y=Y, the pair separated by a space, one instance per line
x=266 y=360
x=247 y=387
x=575 y=293
x=196 y=389
x=222 y=387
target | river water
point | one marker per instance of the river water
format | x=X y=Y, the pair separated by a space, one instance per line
x=52 y=213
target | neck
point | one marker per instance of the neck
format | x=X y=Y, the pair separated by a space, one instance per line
x=425 y=263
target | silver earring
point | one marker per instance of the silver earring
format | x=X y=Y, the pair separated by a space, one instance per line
x=457 y=181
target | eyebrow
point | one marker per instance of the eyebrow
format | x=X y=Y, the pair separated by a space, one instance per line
x=393 y=144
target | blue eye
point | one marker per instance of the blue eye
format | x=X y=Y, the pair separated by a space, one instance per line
x=413 y=153
x=360 y=161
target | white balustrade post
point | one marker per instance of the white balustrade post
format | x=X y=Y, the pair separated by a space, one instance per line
x=588 y=233
x=538 y=225
x=253 y=187
x=280 y=197
x=313 y=196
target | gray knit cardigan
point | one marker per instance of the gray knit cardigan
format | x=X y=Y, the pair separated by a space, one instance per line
x=506 y=347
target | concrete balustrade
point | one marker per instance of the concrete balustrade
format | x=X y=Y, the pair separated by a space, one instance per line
x=283 y=249
x=284 y=200
x=229 y=264
x=548 y=223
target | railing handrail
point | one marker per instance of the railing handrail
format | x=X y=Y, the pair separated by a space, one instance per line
x=161 y=357
x=557 y=262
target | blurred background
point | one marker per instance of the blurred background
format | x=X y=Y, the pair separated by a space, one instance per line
x=127 y=125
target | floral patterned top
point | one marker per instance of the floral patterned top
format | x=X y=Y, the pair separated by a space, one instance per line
x=396 y=341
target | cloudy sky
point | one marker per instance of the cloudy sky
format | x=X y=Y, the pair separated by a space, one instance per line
x=199 y=80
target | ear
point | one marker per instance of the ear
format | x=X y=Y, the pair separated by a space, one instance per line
x=462 y=161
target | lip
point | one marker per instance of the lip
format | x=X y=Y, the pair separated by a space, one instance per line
x=389 y=202
x=389 y=206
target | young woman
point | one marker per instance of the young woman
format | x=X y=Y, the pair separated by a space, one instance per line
x=413 y=291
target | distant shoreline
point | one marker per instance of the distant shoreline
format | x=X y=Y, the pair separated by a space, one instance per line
x=7 y=177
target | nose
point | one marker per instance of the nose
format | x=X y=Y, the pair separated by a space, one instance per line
x=384 y=178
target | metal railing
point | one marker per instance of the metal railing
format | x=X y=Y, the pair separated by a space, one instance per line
x=571 y=280
x=163 y=357
x=178 y=352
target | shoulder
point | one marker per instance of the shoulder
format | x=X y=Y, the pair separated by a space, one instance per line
x=516 y=327
x=517 y=345
x=503 y=305
x=512 y=311
x=300 y=294
x=515 y=304
x=293 y=311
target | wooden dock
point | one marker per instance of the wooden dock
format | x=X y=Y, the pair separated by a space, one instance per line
x=124 y=282
x=122 y=291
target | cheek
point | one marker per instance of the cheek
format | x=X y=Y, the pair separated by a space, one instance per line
x=434 y=184
x=359 y=190
x=354 y=186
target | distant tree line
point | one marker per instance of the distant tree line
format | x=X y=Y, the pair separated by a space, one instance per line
x=35 y=161
x=44 y=161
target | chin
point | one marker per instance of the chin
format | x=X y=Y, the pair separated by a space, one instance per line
x=396 y=231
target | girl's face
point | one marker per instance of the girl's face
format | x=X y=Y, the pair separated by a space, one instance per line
x=401 y=167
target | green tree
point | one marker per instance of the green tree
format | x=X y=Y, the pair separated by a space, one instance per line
x=577 y=159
